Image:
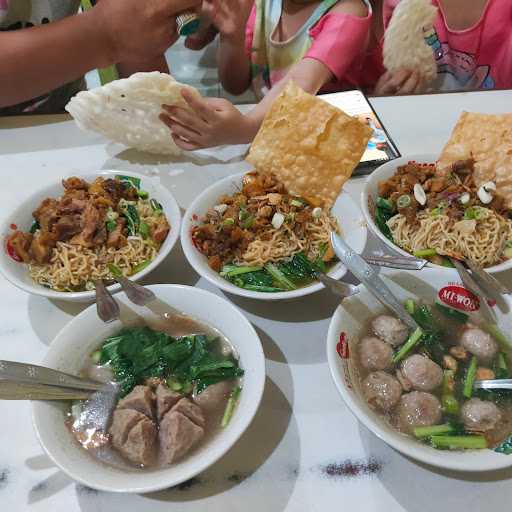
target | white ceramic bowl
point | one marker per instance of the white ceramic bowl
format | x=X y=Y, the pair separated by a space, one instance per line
x=370 y=193
x=345 y=209
x=351 y=319
x=85 y=333
x=17 y=273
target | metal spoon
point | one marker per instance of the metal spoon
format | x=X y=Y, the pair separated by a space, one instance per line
x=22 y=381
x=106 y=306
x=370 y=278
x=135 y=292
x=339 y=288
x=493 y=384
x=476 y=289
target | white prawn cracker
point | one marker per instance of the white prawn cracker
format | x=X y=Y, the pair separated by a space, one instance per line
x=127 y=110
x=404 y=40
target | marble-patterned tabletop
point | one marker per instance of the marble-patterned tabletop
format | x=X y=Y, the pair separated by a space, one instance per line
x=304 y=450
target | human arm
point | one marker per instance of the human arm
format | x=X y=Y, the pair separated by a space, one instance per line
x=230 y=18
x=104 y=35
x=216 y=121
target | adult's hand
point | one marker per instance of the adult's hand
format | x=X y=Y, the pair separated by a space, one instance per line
x=139 y=29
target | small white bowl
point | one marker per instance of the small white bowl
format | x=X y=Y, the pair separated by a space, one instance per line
x=370 y=194
x=85 y=333
x=351 y=320
x=345 y=209
x=17 y=273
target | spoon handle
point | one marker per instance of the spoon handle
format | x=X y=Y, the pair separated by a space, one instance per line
x=32 y=374
x=106 y=305
x=10 y=390
x=493 y=384
x=135 y=292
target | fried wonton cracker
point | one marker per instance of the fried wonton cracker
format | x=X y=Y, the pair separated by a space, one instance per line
x=487 y=139
x=127 y=110
x=311 y=146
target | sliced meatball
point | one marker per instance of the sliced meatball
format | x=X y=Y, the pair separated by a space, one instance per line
x=140 y=445
x=381 y=390
x=418 y=409
x=165 y=399
x=375 y=354
x=141 y=399
x=480 y=344
x=123 y=420
x=390 y=329
x=480 y=415
x=214 y=397
x=178 y=435
x=190 y=410
x=422 y=373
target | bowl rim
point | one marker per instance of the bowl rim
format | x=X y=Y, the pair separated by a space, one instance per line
x=252 y=407
x=431 y=457
x=173 y=216
x=192 y=254
x=365 y=194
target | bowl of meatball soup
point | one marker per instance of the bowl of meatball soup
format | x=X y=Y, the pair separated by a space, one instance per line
x=415 y=389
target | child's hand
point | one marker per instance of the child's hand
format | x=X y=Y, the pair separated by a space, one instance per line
x=212 y=122
x=229 y=16
x=403 y=81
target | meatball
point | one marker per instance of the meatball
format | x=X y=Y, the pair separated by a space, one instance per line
x=381 y=390
x=479 y=415
x=390 y=329
x=480 y=344
x=422 y=373
x=418 y=409
x=375 y=354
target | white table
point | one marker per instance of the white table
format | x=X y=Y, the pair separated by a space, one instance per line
x=304 y=450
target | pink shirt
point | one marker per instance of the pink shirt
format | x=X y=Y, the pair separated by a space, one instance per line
x=339 y=41
x=479 y=57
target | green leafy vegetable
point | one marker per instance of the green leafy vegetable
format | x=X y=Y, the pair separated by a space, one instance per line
x=135 y=182
x=382 y=215
x=138 y=353
x=142 y=194
x=233 y=270
x=505 y=447
x=454 y=314
x=35 y=226
x=471 y=442
x=412 y=341
x=279 y=276
x=386 y=205
x=470 y=378
x=140 y=266
x=132 y=219
x=144 y=230
x=425 y=253
x=115 y=270
x=230 y=406
x=110 y=225
x=471 y=213
x=422 y=432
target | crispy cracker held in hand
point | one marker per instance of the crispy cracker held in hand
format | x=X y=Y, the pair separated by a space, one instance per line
x=404 y=41
x=487 y=139
x=127 y=110
x=311 y=146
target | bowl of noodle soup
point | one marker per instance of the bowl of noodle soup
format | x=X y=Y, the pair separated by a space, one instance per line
x=278 y=246
x=70 y=265
x=459 y=224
